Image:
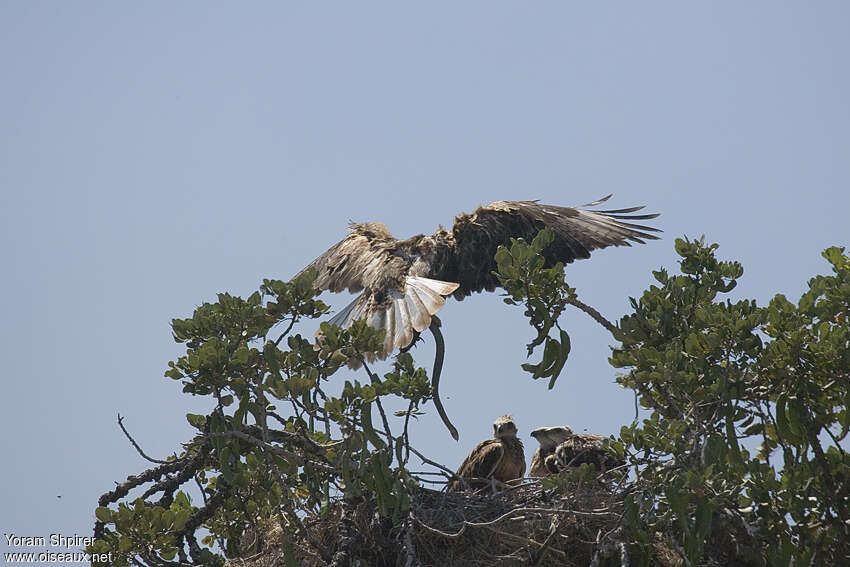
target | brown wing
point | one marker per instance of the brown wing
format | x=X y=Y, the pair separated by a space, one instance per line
x=538 y=468
x=577 y=232
x=370 y=259
x=482 y=462
x=361 y=259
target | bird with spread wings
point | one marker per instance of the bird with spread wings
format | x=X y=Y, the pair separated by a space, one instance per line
x=403 y=283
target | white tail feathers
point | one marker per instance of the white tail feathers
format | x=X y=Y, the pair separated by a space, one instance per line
x=405 y=312
x=437 y=286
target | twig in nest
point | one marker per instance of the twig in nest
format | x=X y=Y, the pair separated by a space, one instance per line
x=527 y=541
x=349 y=537
x=538 y=554
x=412 y=560
x=439 y=532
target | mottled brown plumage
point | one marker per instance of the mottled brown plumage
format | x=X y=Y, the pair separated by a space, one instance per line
x=585 y=448
x=404 y=282
x=549 y=439
x=501 y=458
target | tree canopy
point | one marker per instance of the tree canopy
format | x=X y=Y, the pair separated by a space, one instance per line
x=737 y=454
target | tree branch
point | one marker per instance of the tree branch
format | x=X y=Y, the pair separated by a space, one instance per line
x=596 y=315
x=435 y=376
x=136 y=445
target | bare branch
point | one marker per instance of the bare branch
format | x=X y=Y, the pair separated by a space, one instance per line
x=596 y=315
x=136 y=445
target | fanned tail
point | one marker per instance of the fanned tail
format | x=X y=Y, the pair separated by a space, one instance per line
x=405 y=314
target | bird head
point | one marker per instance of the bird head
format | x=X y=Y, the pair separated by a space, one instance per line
x=504 y=427
x=551 y=437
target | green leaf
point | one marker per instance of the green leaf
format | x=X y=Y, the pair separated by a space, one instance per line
x=543 y=239
x=366 y=421
x=103 y=514
x=783 y=426
x=796 y=418
x=703 y=520
x=197 y=421
x=562 y=358
x=732 y=439
x=713 y=449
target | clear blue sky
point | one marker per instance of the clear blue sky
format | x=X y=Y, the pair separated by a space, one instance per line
x=154 y=154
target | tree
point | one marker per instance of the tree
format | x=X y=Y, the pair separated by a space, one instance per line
x=748 y=412
x=740 y=446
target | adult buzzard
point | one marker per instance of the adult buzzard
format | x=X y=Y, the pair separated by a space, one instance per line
x=405 y=282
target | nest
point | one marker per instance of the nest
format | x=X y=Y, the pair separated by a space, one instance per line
x=571 y=524
x=525 y=524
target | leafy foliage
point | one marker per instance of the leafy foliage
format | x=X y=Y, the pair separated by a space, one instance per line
x=738 y=454
x=545 y=295
x=742 y=447
x=253 y=461
x=730 y=385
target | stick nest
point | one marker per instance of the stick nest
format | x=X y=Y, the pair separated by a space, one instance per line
x=569 y=525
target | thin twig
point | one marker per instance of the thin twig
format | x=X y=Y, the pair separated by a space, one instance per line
x=289 y=455
x=136 y=445
x=375 y=381
x=405 y=435
x=450 y=473
x=412 y=560
x=596 y=315
x=201 y=488
x=553 y=529
x=286 y=332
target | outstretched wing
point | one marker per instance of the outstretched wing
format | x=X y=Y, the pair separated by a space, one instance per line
x=368 y=259
x=577 y=230
x=362 y=259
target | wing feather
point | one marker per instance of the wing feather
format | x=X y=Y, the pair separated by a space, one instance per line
x=419 y=316
x=578 y=232
x=356 y=261
x=483 y=461
x=433 y=302
x=403 y=329
x=389 y=339
x=403 y=281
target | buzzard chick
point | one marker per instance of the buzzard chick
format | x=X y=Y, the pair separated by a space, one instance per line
x=501 y=458
x=543 y=461
x=586 y=448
